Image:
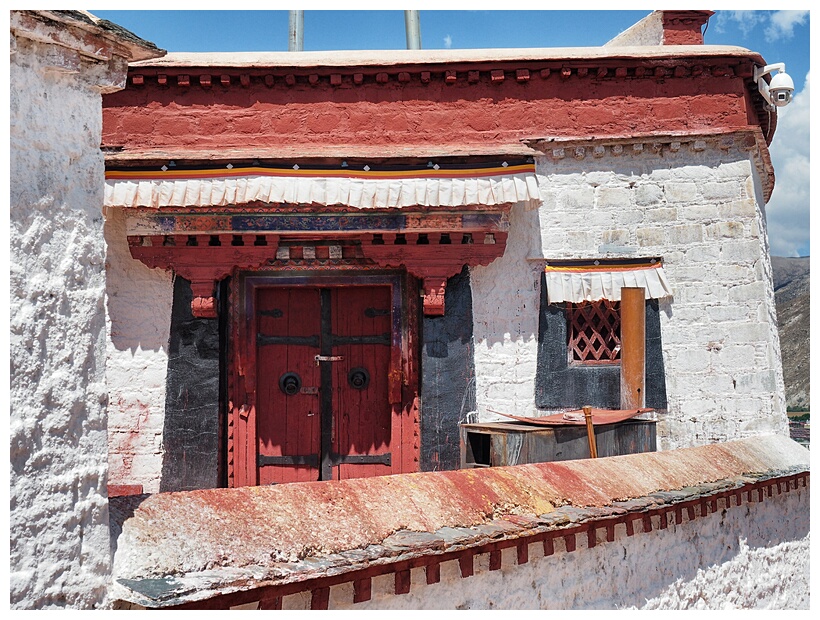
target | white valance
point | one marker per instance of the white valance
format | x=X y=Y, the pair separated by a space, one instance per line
x=358 y=189
x=592 y=282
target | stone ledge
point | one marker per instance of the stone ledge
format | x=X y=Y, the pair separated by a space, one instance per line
x=577 y=505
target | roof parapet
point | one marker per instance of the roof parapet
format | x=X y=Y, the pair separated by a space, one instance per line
x=665 y=28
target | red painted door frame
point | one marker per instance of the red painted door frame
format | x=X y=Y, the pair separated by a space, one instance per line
x=401 y=381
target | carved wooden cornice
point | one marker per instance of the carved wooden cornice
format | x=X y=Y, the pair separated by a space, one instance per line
x=434 y=257
x=203 y=259
x=220 y=79
x=436 y=248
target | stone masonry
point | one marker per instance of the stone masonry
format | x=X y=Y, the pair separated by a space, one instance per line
x=698 y=206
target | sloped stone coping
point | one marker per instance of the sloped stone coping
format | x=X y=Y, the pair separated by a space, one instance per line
x=566 y=528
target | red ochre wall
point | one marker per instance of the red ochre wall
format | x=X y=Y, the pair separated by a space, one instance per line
x=149 y=116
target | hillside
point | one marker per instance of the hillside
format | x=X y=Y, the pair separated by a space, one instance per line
x=792 y=298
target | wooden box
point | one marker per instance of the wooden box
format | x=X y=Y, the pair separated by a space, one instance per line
x=494 y=444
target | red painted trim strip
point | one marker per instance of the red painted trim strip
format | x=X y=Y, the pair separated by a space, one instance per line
x=433 y=573
x=362 y=590
x=118 y=490
x=320 y=597
x=402 y=582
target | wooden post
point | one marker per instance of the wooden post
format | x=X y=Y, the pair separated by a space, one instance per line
x=593 y=445
x=633 y=338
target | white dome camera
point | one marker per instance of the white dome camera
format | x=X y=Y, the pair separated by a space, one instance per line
x=780 y=88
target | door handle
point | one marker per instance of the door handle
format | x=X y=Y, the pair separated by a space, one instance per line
x=328 y=358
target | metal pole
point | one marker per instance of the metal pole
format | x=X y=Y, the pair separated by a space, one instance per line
x=593 y=444
x=413 y=29
x=633 y=338
x=296 y=31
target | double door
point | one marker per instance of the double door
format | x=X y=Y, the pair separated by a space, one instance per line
x=323 y=357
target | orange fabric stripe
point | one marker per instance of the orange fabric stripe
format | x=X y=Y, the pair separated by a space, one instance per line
x=221 y=173
x=587 y=268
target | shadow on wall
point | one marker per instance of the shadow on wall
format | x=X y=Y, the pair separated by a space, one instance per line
x=506 y=292
x=138 y=298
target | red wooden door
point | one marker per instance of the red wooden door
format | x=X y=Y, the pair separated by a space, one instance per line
x=323 y=357
x=288 y=415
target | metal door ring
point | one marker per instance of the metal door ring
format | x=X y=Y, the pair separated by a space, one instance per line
x=290 y=383
x=358 y=378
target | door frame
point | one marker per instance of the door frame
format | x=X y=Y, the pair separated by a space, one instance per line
x=404 y=373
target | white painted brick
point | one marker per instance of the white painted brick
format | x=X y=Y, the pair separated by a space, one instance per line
x=677 y=192
x=722 y=191
x=649 y=195
x=296 y=602
x=650 y=236
x=660 y=214
x=741 y=251
x=731 y=312
x=691 y=360
x=683 y=234
x=738 y=209
x=748 y=292
x=699 y=212
x=614 y=197
x=725 y=229
x=577 y=198
x=619 y=236
x=703 y=253
x=735 y=170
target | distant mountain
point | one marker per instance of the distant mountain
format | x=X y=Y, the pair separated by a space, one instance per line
x=792 y=299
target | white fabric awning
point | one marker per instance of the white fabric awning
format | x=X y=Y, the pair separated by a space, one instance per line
x=362 y=189
x=575 y=283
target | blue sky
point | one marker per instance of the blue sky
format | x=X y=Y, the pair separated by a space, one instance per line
x=779 y=36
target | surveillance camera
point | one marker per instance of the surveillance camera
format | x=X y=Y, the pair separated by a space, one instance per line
x=781 y=88
x=778 y=91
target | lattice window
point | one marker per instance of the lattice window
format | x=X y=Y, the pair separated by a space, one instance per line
x=594 y=332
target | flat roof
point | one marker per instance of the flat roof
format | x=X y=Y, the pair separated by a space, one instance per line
x=347 y=58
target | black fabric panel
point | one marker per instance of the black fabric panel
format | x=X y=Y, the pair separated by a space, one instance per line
x=447 y=376
x=655 y=376
x=191 y=434
x=557 y=384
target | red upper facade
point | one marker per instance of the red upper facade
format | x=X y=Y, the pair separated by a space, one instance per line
x=309 y=105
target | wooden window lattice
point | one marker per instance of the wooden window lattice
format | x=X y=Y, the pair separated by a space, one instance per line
x=594 y=332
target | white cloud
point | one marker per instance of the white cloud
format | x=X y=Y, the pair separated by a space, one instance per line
x=745 y=21
x=788 y=210
x=448 y=41
x=782 y=24
x=779 y=25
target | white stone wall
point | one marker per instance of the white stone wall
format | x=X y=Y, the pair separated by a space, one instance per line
x=699 y=209
x=753 y=556
x=58 y=521
x=138 y=312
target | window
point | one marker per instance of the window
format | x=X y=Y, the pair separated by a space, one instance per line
x=594 y=332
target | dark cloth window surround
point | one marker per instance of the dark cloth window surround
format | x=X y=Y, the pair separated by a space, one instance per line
x=561 y=384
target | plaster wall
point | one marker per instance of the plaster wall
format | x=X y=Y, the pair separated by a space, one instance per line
x=699 y=210
x=58 y=520
x=138 y=312
x=753 y=556
x=397 y=114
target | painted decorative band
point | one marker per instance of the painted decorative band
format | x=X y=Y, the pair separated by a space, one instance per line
x=365 y=172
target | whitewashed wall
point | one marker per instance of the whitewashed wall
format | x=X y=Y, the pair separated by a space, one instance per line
x=138 y=305
x=753 y=556
x=58 y=521
x=699 y=209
